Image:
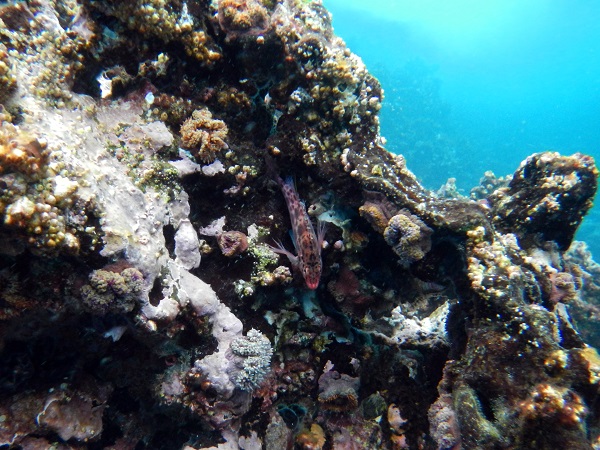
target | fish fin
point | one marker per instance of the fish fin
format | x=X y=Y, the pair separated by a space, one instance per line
x=291 y=182
x=280 y=249
x=293 y=237
x=321 y=230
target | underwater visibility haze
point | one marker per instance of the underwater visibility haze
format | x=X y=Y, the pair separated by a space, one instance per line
x=472 y=86
x=156 y=154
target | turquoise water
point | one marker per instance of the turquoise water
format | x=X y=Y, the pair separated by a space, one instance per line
x=475 y=85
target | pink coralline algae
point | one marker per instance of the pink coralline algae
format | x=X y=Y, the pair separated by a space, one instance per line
x=73 y=417
x=74 y=413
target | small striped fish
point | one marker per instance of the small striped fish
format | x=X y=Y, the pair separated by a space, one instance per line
x=308 y=244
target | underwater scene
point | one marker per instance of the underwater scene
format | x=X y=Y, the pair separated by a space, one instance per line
x=299 y=224
x=479 y=86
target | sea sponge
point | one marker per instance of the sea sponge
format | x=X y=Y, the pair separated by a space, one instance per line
x=203 y=135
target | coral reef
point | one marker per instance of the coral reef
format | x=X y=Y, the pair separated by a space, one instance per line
x=252 y=359
x=242 y=17
x=559 y=190
x=39 y=205
x=337 y=392
x=110 y=291
x=141 y=305
x=408 y=236
x=204 y=135
x=232 y=243
x=7 y=78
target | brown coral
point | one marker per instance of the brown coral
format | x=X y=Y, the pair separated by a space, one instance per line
x=33 y=198
x=232 y=243
x=338 y=392
x=7 y=79
x=375 y=215
x=563 y=288
x=311 y=439
x=488 y=184
x=19 y=151
x=553 y=404
x=546 y=198
x=409 y=237
x=203 y=135
x=243 y=17
x=76 y=417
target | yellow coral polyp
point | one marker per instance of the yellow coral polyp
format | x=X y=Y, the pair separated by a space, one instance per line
x=19 y=212
x=33 y=199
x=19 y=152
x=375 y=216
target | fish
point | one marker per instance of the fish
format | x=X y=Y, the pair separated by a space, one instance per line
x=307 y=242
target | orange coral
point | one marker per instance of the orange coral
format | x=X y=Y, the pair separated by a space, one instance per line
x=204 y=135
x=375 y=216
x=19 y=151
x=554 y=404
x=313 y=439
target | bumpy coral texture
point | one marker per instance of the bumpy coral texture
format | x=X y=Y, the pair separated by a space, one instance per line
x=110 y=291
x=409 y=237
x=252 y=360
x=481 y=284
x=35 y=200
x=7 y=78
x=242 y=17
x=203 y=135
x=338 y=392
x=232 y=243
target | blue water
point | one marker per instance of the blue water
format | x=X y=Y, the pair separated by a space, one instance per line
x=475 y=85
